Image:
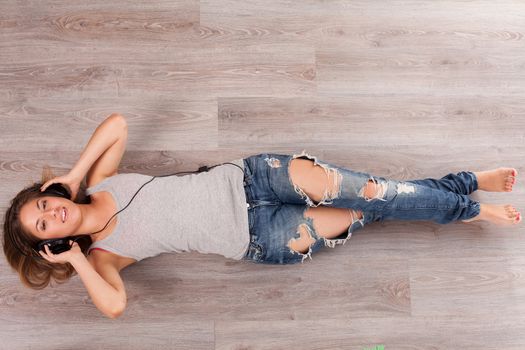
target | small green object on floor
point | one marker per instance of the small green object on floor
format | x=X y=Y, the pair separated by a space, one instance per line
x=377 y=347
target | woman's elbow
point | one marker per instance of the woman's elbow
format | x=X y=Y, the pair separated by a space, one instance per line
x=119 y=118
x=115 y=315
x=114 y=312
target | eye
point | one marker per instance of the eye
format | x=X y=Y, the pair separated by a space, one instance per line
x=43 y=222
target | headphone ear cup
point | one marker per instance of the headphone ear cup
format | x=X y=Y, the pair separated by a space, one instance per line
x=57 y=189
x=57 y=246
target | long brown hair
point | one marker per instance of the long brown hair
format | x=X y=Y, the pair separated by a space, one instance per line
x=35 y=272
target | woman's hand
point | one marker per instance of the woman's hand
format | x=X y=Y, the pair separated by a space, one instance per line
x=64 y=257
x=70 y=180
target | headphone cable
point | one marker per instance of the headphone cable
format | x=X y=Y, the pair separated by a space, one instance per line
x=201 y=169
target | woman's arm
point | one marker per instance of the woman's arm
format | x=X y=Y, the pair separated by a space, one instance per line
x=106 y=297
x=105 y=135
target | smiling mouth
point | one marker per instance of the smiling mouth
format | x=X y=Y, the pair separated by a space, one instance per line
x=64 y=214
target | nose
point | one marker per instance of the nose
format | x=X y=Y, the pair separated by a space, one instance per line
x=55 y=212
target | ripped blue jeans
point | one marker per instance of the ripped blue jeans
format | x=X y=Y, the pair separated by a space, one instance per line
x=276 y=206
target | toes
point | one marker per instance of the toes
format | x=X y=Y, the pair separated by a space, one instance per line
x=514 y=213
x=511 y=172
x=509 y=183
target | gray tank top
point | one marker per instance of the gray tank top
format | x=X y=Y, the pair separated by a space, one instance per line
x=204 y=212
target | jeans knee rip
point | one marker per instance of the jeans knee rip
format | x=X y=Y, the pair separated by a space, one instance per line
x=328 y=242
x=312 y=235
x=332 y=242
x=327 y=197
x=381 y=189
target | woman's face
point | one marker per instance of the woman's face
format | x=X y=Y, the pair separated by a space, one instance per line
x=43 y=217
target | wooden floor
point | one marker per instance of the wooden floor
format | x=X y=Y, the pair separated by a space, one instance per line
x=400 y=89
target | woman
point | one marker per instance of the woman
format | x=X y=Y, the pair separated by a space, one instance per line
x=277 y=209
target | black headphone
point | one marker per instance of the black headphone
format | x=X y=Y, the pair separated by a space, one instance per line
x=60 y=245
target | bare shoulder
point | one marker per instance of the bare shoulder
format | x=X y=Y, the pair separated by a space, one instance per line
x=102 y=257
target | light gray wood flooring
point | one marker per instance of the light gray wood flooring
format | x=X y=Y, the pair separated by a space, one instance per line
x=400 y=89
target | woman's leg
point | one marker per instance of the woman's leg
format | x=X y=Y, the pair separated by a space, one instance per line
x=288 y=233
x=332 y=225
x=466 y=182
x=343 y=188
x=328 y=223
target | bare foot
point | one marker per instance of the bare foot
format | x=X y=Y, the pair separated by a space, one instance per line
x=496 y=180
x=502 y=215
